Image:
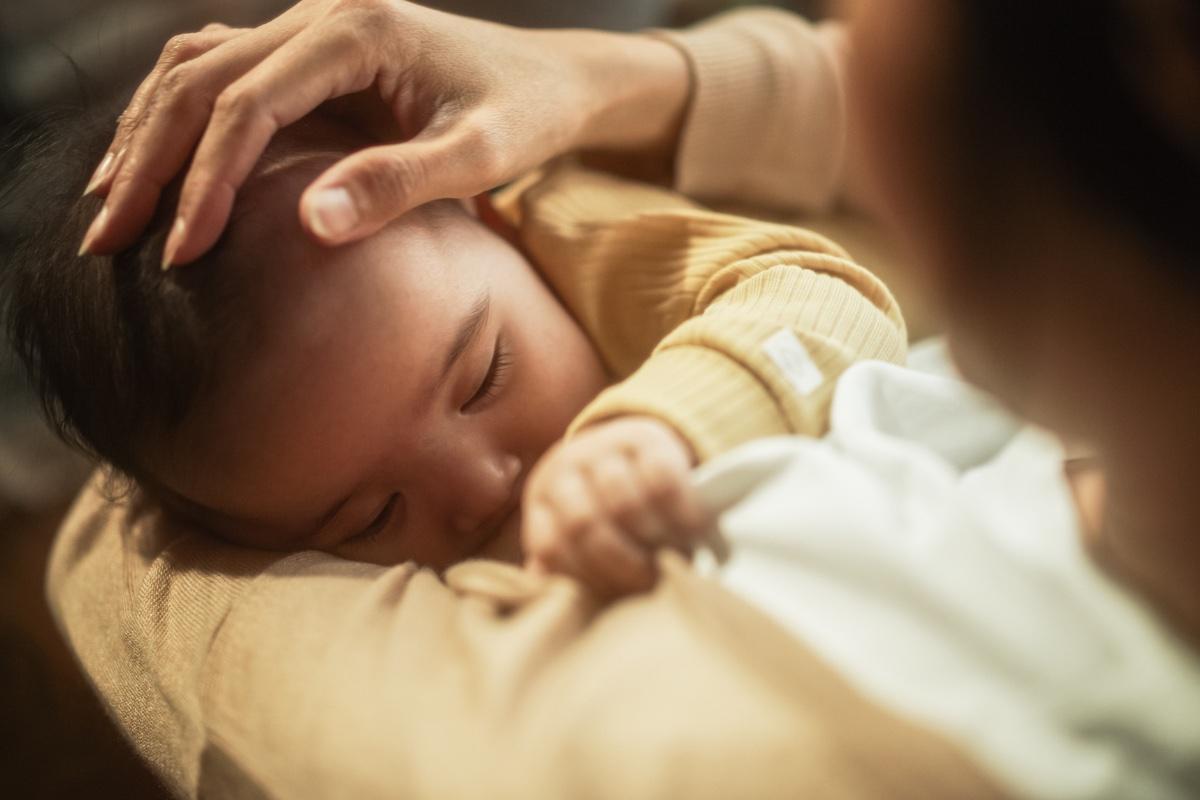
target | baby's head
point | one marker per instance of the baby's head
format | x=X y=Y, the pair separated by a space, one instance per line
x=382 y=401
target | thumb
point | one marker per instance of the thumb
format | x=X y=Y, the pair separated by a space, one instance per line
x=368 y=189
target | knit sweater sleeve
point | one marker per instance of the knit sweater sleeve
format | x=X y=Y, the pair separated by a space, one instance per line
x=766 y=124
x=726 y=328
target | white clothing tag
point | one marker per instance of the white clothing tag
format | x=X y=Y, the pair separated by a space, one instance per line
x=793 y=360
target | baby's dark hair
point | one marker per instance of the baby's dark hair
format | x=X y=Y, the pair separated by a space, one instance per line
x=118 y=350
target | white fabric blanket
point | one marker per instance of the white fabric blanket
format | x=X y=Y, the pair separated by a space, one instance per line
x=928 y=548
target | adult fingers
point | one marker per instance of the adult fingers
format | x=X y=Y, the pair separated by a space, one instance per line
x=175 y=116
x=179 y=49
x=364 y=191
x=317 y=64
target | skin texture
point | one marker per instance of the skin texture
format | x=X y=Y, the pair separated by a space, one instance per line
x=600 y=504
x=340 y=396
x=380 y=454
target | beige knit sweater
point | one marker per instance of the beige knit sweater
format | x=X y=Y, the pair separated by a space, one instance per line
x=244 y=674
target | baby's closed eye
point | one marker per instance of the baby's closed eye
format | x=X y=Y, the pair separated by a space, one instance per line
x=493 y=379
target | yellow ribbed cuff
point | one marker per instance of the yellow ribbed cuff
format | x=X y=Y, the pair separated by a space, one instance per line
x=710 y=399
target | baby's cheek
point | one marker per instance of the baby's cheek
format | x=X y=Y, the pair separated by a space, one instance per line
x=507 y=544
x=579 y=378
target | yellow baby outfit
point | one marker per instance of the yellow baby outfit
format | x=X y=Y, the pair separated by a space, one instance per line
x=727 y=328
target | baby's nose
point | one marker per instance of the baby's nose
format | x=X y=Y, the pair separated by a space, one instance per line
x=492 y=490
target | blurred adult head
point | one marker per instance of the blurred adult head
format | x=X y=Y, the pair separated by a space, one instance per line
x=1042 y=159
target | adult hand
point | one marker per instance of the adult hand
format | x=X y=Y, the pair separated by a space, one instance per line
x=598 y=505
x=473 y=104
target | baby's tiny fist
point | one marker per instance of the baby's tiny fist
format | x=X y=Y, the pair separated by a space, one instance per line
x=598 y=505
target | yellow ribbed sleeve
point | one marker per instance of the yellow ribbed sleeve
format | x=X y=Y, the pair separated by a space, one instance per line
x=726 y=328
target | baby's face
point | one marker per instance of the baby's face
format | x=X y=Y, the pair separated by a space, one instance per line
x=394 y=396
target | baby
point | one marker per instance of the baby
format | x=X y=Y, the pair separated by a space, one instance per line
x=406 y=397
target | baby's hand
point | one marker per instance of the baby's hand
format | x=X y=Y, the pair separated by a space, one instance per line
x=598 y=505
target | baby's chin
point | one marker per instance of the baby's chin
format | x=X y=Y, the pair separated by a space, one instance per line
x=505 y=545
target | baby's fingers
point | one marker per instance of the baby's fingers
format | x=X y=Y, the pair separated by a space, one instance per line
x=666 y=484
x=617 y=484
x=615 y=564
x=557 y=518
x=569 y=533
x=557 y=506
x=542 y=543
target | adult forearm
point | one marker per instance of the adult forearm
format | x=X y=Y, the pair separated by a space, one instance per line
x=766 y=122
x=748 y=107
x=634 y=91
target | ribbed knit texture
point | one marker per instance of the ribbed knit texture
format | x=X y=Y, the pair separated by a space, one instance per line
x=767 y=120
x=679 y=301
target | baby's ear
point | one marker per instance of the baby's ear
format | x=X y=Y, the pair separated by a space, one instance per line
x=483 y=209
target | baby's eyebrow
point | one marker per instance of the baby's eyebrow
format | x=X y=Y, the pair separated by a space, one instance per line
x=470 y=327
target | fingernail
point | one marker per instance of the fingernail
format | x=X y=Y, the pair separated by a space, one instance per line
x=100 y=174
x=93 y=231
x=174 y=240
x=331 y=213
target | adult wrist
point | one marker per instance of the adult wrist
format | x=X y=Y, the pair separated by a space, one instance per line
x=633 y=91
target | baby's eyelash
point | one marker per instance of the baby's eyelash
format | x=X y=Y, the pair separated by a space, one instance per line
x=379 y=523
x=494 y=379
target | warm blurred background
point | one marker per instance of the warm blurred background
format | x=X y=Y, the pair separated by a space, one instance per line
x=55 y=740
